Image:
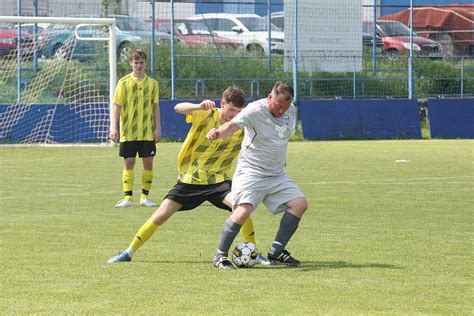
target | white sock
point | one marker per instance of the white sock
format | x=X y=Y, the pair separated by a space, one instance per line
x=130 y=251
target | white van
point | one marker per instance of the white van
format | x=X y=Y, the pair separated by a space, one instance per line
x=250 y=30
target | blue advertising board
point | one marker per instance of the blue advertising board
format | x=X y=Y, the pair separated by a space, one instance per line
x=451 y=118
x=360 y=119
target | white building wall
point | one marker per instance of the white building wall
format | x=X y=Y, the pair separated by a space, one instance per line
x=57 y=8
x=143 y=10
x=331 y=37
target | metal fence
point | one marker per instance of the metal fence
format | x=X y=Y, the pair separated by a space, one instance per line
x=326 y=49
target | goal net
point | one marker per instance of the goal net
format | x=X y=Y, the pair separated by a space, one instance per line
x=58 y=77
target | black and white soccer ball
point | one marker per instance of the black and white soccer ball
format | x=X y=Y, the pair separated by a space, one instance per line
x=245 y=255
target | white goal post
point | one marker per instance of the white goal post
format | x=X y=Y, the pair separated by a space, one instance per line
x=15 y=110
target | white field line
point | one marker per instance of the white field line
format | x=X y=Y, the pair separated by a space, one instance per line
x=114 y=193
x=408 y=181
x=58 y=158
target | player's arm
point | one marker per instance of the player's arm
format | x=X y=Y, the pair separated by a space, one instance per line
x=157 y=120
x=223 y=131
x=187 y=107
x=114 y=116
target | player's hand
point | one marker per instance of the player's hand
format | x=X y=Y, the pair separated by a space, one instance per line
x=157 y=135
x=113 y=135
x=213 y=134
x=207 y=105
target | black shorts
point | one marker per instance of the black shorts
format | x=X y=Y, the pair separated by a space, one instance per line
x=191 y=196
x=143 y=148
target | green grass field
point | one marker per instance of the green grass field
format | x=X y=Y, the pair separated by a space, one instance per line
x=389 y=231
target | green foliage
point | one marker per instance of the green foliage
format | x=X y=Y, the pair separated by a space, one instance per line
x=389 y=80
x=8 y=93
x=379 y=237
x=206 y=71
x=435 y=77
x=106 y=4
x=425 y=129
x=298 y=135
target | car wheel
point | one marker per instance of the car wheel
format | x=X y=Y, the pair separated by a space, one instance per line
x=124 y=51
x=392 y=54
x=255 y=48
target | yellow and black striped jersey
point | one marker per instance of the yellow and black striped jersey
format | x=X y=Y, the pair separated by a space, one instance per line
x=136 y=99
x=202 y=161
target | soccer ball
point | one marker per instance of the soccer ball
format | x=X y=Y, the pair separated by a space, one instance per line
x=245 y=255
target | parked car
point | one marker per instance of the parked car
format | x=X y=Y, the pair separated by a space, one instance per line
x=250 y=30
x=40 y=33
x=278 y=19
x=451 y=26
x=368 y=41
x=129 y=31
x=9 y=41
x=396 y=39
x=195 y=34
x=30 y=27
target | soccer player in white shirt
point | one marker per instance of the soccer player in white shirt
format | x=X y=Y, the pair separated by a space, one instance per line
x=260 y=173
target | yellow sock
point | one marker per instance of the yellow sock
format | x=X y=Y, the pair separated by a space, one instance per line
x=247 y=231
x=147 y=179
x=143 y=234
x=128 y=177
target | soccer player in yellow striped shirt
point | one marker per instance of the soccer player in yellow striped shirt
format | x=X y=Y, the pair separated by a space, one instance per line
x=204 y=168
x=136 y=103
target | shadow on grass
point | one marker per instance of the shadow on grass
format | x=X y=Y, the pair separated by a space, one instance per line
x=305 y=266
x=326 y=265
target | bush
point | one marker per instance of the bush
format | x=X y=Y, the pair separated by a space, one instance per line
x=436 y=78
x=206 y=71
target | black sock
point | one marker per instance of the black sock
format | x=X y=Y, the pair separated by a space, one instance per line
x=288 y=225
x=229 y=232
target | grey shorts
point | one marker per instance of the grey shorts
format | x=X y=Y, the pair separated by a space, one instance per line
x=274 y=191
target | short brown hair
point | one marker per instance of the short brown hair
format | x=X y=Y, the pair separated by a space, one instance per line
x=283 y=88
x=137 y=53
x=235 y=96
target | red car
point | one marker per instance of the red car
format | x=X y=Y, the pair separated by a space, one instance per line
x=9 y=40
x=396 y=39
x=451 y=26
x=194 y=34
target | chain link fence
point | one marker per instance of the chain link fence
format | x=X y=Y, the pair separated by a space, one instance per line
x=339 y=49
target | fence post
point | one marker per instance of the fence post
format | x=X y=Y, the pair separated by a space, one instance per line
x=269 y=23
x=35 y=38
x=410 y=58
x=173 y=83
x=18 y=55
x=295 y=52
x=152 y=61
x=354 y=84
x=256 y=91
x=374 y=39
x=196 y=88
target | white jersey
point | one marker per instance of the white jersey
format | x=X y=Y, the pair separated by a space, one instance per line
x=265 y=143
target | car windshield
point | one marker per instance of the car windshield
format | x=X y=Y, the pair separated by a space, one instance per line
x=256 y=24
x=279 y=22
x=198 y=28
x=394 y=29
